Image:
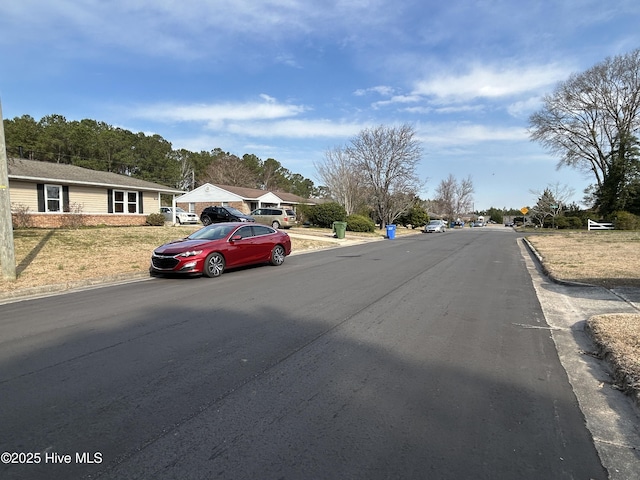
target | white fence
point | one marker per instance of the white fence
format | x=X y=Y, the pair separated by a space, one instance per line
x=591 y=225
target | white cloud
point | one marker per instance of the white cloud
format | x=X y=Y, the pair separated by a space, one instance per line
x=524 y=108
x=383 y=90
x=216 y=114
x=490 y=83
x=460 y=134
x=294 y=128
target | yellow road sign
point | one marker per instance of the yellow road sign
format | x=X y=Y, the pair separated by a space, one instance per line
x=524 y=210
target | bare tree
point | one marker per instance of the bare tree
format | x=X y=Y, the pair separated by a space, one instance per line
x=455 y=198
x=587 y=117
x=229 y=170
x=551 y=202
x=387 y=159
x=339 y=176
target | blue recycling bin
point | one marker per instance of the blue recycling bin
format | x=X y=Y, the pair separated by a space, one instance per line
x=391 y=232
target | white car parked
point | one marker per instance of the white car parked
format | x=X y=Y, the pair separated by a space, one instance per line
x=435 y=226
x=182 y=217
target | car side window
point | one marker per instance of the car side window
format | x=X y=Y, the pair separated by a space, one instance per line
x=261 y=230
x=244 y=232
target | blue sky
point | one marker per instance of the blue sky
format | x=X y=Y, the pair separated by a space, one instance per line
x=291 y=79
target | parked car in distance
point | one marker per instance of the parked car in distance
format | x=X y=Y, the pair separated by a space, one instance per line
x=215 y=214
x=219 y=246
x=435 y=226
x=182 y=217
x=277 y=217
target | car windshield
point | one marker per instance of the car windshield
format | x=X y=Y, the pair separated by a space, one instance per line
x=434 y=222
x=235 y=211
x=179 y=210
x=212 y=232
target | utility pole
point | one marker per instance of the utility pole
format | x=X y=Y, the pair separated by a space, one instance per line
x=7 y=253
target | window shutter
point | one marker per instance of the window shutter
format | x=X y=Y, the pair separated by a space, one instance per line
x=110 y=201
x=41 y=206
x=140 y=206
x=65 y=198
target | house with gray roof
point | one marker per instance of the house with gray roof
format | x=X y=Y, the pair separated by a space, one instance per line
x=244 y=199
x=50 y=195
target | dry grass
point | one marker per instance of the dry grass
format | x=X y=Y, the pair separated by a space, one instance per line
x=609 y=259
x=618 y=336
x=602 y=258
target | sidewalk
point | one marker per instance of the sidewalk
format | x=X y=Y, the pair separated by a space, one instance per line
x=611 y=416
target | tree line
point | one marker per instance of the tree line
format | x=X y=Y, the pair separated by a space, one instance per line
x=100 y=146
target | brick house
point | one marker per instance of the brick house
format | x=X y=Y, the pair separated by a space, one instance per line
x=51 y=195
x=244 y=199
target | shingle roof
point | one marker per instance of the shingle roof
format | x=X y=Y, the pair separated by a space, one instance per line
x=244 y=192
x=32 y=170
x=255 y=193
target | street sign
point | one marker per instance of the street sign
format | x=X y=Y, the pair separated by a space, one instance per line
x=524 y=210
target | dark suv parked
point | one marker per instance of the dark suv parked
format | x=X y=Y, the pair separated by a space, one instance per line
x=223 y=214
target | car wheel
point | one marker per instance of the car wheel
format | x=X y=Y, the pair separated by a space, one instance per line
x=206 y=220
x=275 y=224
x=277 y=255
x=214 y=265
x=178 y=221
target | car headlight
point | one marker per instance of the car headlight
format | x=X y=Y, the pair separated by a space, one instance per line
x=191 y=253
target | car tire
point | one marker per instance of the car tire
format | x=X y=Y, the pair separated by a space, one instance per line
x=178 y=221
x=275 y=224
x=213 y=265
x=277 y=255
x=206 y=220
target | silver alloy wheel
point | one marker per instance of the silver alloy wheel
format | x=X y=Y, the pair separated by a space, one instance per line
x=214 y=265
x=206 y=220
x=275 y=224
x=277 y=255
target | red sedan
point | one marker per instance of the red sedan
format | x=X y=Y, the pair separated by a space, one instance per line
x=212 y=249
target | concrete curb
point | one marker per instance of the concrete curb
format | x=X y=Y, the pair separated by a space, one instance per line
x=625 y=382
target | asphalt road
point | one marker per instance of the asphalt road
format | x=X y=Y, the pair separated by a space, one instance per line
x=421 y=357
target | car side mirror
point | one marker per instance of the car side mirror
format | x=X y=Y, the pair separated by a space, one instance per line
x=235 y=238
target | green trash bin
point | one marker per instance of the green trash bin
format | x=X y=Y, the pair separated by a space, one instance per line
x=340 y=228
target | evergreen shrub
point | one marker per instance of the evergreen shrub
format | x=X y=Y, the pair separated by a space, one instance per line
x=155 y=219
x=325 y=214
x=359 y=223
x=626 y=221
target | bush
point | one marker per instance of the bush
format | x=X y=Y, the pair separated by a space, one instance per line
x=155 y=219
x=559 y=222
x=575 y=222
x=416 y=217
x=325 y=214
x=21 y=216
x=359 y=223
x=626 y=221
x=74 y=216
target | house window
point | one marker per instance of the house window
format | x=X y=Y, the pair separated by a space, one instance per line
x=125 y=202
x=53 y=198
